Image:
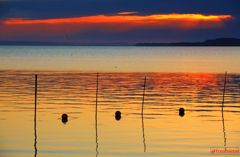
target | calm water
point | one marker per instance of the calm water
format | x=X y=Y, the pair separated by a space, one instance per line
x=186 y=77
x=160 y=131
x=121 y=58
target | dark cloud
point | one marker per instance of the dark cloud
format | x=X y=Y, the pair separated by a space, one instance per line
x=4 y=8
x=42 y=9
x=70 y=8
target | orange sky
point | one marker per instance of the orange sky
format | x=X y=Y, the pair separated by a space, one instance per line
x=131 y=19
x=120 y=22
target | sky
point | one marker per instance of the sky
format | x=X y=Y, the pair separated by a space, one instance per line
x=118 y=21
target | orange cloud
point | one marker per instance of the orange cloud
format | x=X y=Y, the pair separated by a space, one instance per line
x=122 y=21
x=193 y=20
x=127 y=13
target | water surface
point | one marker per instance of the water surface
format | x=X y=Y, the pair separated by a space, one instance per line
x=157 y=131
x=121 y=58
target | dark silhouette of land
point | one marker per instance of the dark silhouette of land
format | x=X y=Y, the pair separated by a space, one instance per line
x=211 y=42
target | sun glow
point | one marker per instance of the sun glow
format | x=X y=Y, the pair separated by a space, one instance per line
x=131 y=19
x=120 y=22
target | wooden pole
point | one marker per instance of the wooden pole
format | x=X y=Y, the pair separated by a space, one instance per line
x=143 y=131
x=96 y=106
x=96 y=116
x=223 y=99
x=35 y=95
x=144 y=86
x=224 y=89
x=35 y=119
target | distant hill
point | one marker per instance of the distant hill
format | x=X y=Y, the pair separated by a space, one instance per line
x=211 y=42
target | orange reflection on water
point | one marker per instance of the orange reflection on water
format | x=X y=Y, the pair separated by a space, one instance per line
x=74 y=93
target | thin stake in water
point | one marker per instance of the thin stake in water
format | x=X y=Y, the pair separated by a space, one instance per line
x=96 y=108
x=144 y=88
x=35 y=119
x=223 y=99
x=224 y=89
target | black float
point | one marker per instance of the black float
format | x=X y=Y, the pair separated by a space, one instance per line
x=64 y=118
x=181 y=112
x=118 y=115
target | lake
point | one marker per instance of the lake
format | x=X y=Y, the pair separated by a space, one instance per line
x=121 y=58
x=178 y=77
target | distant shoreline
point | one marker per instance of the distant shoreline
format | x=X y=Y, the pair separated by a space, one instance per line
x=211 y=42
